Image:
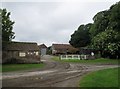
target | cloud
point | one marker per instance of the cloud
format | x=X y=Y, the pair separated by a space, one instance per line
x=51 y=22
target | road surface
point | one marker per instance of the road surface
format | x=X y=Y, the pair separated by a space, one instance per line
x=54 y=74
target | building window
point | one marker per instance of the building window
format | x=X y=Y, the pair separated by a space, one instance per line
x=22 y=54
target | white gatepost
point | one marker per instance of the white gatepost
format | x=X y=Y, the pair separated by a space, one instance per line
x=72 y=56
x=85 y=56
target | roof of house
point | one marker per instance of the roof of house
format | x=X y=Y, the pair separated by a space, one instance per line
x=63 y=46
x=42 y=46
x=25 y=46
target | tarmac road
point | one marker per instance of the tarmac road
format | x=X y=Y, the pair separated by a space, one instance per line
x=55 y=74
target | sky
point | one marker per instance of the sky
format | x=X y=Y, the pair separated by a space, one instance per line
x=51 y=22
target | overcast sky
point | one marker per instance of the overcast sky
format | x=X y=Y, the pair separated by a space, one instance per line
x=51 y=22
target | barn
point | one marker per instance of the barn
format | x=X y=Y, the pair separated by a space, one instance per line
x=21 y=52
x=43 y=49
x=63 y=49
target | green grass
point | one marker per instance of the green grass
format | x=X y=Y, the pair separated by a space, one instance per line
x=18 y=67
x=95 y=61
x=101 y=78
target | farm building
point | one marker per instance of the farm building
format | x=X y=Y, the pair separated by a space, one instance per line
x=86 y=51
x=93 y=53
x=43 y=49
x=21 y=52
x=63 y=49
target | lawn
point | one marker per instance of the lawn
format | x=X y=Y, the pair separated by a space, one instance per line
x=95 y=61
x=101 y=78
x=18 y=67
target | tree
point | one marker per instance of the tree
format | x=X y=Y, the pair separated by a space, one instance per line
x=103 y=34
x=108 y=19
x=49 y=50
x=114 y=17
x=7 y=26
x=105 y=31
x=105 y=20
x=81 y=37
x=100 y=23
x=107 y=41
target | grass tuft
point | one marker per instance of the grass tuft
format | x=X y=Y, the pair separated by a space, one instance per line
x=18 y=67
x=101 y=78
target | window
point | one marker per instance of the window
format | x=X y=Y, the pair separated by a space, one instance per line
x=22 y=54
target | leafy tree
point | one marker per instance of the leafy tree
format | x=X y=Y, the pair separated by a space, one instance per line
x=107 y=41
x=105 y=20
x=114 y=17
x=7 y=26
x=103 y=34
x=100 y=23
x=81 y=37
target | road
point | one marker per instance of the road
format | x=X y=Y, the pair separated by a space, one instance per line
x=54 y=74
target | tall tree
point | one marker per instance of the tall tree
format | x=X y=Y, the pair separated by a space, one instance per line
x=103 y=34
x=106 y=20
x=106 y=31
x=81 y=37
x=107 y=42
x=7 y=26
x=100 y=23
x=114 y=17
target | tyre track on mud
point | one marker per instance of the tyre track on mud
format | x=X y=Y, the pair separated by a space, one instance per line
x=61 y=75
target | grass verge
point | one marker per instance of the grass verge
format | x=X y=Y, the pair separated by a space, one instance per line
x=95 y=61
x=101 y=78
x=18 y=67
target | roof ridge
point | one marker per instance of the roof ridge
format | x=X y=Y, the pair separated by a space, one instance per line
x=24 y=42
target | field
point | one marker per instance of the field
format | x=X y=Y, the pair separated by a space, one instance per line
x=101 y=78
x=18 y=67
x=95 y=61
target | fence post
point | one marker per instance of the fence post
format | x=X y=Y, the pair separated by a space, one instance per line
x=61 y=57
x=79 y=57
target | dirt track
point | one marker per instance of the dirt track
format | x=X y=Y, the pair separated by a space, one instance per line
x=55 y=74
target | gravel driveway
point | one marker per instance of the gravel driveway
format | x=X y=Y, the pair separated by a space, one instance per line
x=54 y=74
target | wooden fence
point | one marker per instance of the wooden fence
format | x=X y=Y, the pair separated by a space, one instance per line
x=77 y=57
